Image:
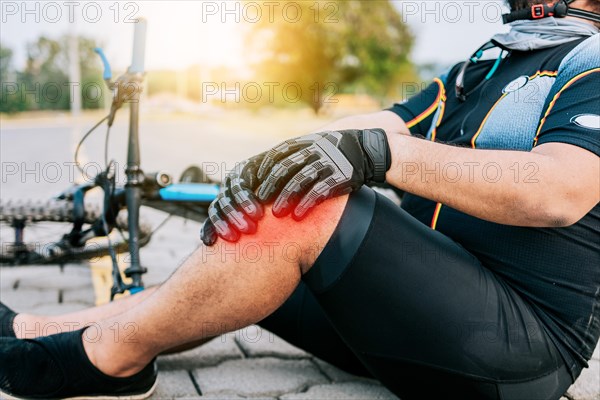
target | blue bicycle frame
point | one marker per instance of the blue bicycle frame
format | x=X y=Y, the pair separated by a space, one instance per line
x=190 y=192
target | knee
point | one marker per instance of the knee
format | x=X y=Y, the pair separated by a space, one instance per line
x=284 y=240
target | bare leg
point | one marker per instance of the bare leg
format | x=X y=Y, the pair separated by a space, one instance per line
x=32 y=326
x=217 y=290
x=28 y=326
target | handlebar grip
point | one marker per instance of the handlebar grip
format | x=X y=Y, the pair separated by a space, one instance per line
x=139 y=47
x=107 y=75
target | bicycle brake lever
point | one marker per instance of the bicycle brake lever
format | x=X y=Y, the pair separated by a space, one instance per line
x=107 y=75
x=112 y=85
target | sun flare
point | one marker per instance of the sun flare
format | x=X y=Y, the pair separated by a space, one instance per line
x=182 y=33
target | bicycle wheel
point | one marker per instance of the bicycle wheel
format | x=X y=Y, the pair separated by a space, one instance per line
x=195 y=174
x=31 y=232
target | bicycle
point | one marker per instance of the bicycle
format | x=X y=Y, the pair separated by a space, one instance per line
x=189 y=198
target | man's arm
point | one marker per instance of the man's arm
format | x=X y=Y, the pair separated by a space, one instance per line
x=554 y=185
x=235 y=211
x=386 y=120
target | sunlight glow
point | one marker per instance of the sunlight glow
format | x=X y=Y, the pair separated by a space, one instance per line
x=179 y=35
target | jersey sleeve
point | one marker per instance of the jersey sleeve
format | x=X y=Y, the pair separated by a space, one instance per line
x=419 y=111
x=572 y=110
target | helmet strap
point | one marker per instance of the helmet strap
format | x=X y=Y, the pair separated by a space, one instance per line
x=559 y=9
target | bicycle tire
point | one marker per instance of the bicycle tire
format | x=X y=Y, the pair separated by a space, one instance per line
x=32 y=212
x=195 y=174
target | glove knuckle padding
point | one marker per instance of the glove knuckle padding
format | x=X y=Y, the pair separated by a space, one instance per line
x=283 y=204
x=333 y=157
x=295 y=189
x=282 y=150
x=213 y=212
x=339 y=163
x=244 y=201
x=267 y=189
x=271 y=158
x=235 y=208
x=235 y=217
x=315 y=196
x=307 y=175
x=242 y=198
x=216 y=219
x=279 y=174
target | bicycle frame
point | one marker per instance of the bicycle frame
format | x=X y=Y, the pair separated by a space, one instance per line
x=189 y=199
x=134 y=176
x=132 y=82
x=182 y=194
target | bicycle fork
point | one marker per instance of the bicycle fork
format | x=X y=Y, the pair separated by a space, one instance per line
x=135 y=179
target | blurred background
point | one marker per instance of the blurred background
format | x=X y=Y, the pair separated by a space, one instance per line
x=326 y=48
x=224 y=80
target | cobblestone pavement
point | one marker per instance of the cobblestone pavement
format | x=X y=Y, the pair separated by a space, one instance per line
x=250 y=363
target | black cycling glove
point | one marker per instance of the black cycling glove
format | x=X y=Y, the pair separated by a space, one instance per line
x=236 y=209
x=307 y=170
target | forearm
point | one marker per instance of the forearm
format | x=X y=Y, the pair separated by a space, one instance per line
x=507 y=187
x=390 y=122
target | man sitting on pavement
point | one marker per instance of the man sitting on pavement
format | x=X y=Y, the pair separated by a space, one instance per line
x=497 y=236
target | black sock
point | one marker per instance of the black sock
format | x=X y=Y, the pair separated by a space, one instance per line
x=57 y=366
x=7 y=317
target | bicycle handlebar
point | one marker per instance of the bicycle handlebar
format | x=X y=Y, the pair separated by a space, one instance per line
x=139 y=47
x=107 y=75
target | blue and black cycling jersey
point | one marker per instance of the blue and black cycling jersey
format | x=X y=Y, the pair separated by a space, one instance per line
x=536 y=97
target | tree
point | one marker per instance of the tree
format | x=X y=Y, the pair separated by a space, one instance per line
x=93 y=88
x=340 y=46
x=5 y=62
x=9 y=102
x=44 y=83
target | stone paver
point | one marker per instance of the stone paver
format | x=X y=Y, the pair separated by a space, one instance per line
x=84 y=296
x=587 y=386
x=26 y=300
x=259 y=377
x=258 y=342
x=13 y=276
x=69 y=278
x=7 y=280
x=232 y=397
x=343 y=391
x=175 y=385
x=210 y=354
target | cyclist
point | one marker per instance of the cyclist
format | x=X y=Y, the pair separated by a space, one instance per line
x=485 y=284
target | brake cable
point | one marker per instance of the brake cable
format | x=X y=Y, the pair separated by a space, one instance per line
x=83 y=139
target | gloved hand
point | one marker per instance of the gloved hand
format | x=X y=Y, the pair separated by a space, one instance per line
x=305 y=171
x=236 y=209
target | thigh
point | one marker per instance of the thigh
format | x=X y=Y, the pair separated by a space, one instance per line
x=302 y=322
x=422 y=313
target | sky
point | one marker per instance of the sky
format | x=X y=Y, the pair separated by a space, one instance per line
x=185 y=33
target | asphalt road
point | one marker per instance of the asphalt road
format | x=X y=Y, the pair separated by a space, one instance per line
x=37 y=154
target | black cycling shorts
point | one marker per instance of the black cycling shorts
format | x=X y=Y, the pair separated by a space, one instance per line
x=391 y=298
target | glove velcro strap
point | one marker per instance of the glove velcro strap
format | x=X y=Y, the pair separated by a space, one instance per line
x=375 y=145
